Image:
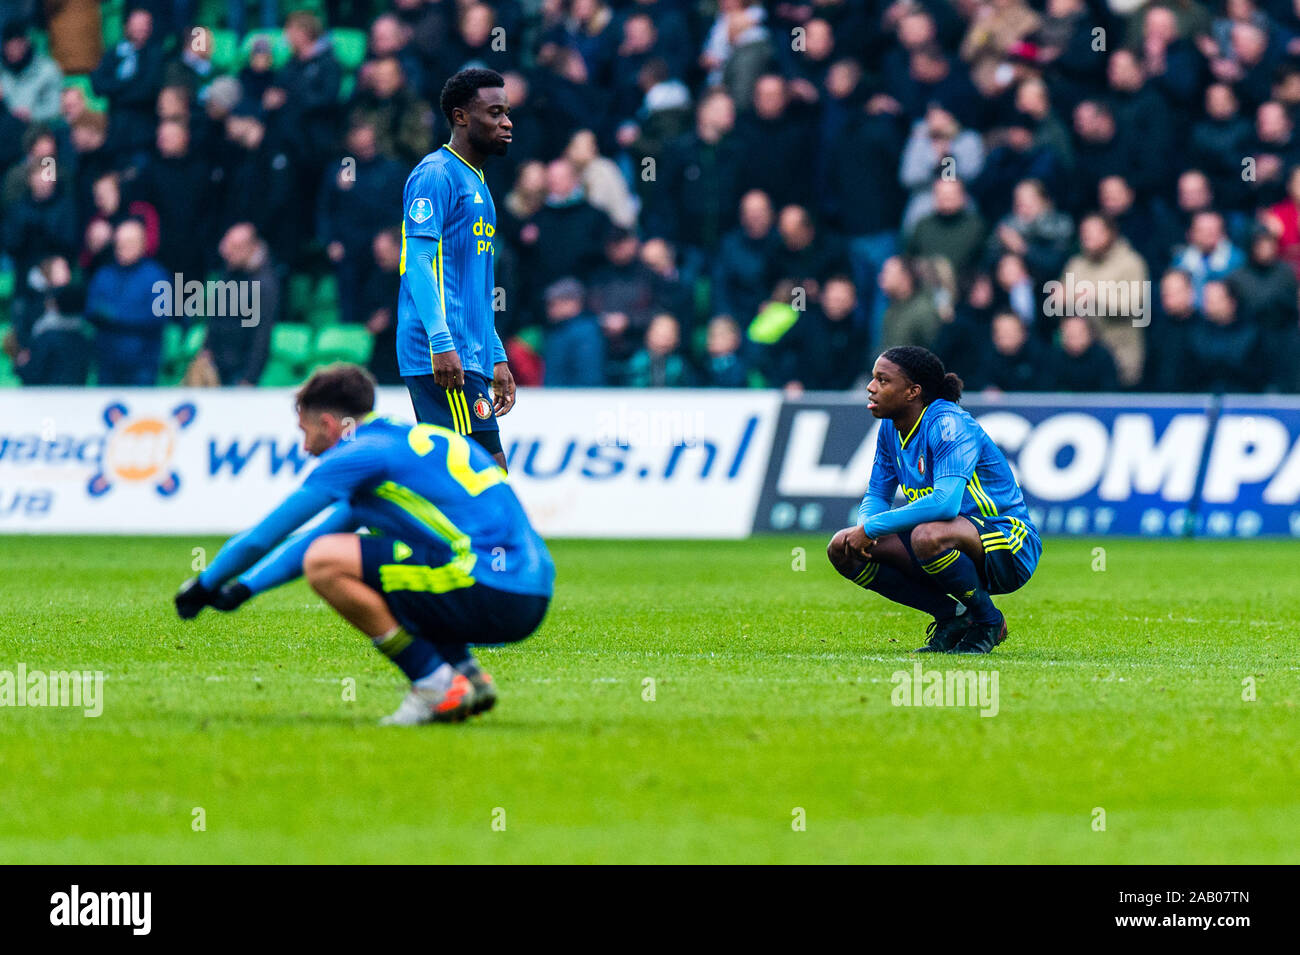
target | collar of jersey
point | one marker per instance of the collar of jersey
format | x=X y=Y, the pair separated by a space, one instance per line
x=902 y=442
x=447 y=146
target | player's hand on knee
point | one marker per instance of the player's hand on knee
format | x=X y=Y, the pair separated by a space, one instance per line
x=191 y=598
x=857 y=543
x=447 y=370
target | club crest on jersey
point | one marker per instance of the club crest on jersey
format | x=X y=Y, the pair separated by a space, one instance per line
x=483 y=408
x=420 y=210
x=920 y=464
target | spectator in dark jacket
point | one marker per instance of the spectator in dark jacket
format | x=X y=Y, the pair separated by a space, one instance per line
x=1169 y=361
x=804 y=253
x=1017 y=362
x=575 y=349
x=177 y=182
x=1225 y=346
x=1266 y=290
x=240 y=344
x=724 y=365
x=379 y=305
x=130 y=76
x=569 y=230
x=403 y=124
x=258 y=184
x=1034 y=230
x=1080 y=363
x=41 y=224
x=624 y=283
x=356 y=202
x=120 y=303
x=740 y=270
x=54 y=348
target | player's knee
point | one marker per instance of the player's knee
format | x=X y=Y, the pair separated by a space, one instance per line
x=929 y=540
x=322 y=560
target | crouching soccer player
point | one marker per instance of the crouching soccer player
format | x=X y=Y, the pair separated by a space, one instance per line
x=965 y=532
x=450 y=559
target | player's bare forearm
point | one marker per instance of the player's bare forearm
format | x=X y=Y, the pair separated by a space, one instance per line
x=503 y=388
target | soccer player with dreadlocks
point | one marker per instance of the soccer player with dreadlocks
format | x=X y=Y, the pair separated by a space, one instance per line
x=964 y=533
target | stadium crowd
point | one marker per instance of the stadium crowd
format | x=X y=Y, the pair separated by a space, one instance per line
x=1059 y=195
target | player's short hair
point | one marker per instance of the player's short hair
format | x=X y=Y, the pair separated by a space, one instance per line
x=923 y=367
x=344 y=389
x=461 y=88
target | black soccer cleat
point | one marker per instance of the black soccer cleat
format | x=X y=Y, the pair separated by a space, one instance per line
x=982 y=637
x=944 y=635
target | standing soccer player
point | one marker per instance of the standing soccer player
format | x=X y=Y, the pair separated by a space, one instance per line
x=448 y=350
x=450 y=559
x=965 y=532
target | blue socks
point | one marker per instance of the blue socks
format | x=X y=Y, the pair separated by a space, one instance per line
x=917 y=593
x=954 y=573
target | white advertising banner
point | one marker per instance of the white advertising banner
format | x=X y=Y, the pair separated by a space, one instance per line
x=193 y=461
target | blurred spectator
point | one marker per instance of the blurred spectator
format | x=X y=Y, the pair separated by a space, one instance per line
x=41 y=224
x=31 y=82
x=938 y=149
x=1169 y=365
x=773 y=136
x=1266 y=289
x=568 y=231
x=402 y=123
x=1080 y=363
x=257 y=183
x=176 y=182
x=120 y=304
x=1111 y=284
x=239 y=345
x=1016 y=362
x=1209 y=254
x=602 y=183
x=354 y=204
x=954 y=231
x=660 y=363
x=829 y=340
x=740 y=270
x=130 y=76
x=804 y=254
x=54 y=348
x=190 y=66
x=1034 y=231
x=910 y=318
x=724 y=366
x=574 y=346
x=624 y=283
x=76 y=34
x=109 y=213
x=379 y=305
x=1225 y=350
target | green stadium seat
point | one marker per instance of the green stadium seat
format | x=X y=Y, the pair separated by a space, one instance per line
x=226 y=56
x=347 y=86
x=6 y=286
x=349 y=47
x=280 y=52
x=344 y=343
x=291 y=344
x=323 y=309
x=277 y=374
x=533 y=337
x=300 y=297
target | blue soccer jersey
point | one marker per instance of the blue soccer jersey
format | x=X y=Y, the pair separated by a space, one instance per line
x=447 y=202
x=945 y=442
x=462 y=507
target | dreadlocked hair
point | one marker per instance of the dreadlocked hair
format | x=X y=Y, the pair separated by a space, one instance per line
x=924 y=368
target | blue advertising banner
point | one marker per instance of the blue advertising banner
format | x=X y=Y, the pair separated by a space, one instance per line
x=1086 y=465
x=1252 y=473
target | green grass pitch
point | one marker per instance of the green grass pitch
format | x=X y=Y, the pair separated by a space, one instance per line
x=1120 y=689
